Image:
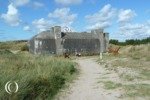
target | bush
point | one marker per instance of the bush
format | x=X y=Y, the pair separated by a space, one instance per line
x=130 y=41
x=113 y=41
x=25 y=48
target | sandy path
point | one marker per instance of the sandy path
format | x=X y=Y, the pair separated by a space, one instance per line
x=86 y=87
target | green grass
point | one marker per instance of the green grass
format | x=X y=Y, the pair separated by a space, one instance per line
x=38 y=77
x=145 y=74
x=141 y=90
x=127 y=77
x=12 y=45
x=111 y=85
x=131 y=90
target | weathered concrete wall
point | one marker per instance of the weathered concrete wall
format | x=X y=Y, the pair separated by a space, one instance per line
x=45 y=46
x=82 y=45
x=100 y=35
x=51 y=42
x=31 y=45
x=106 y=41
x=58 y=40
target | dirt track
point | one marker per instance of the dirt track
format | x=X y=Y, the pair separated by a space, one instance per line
x=86 y=87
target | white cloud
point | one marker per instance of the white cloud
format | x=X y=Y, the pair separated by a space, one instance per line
x=68 y=2
x=38 y=4
x=12 y=16
x=27 y=28
x=20 y=2
x=126 y=15
x=99 y=25
x=132 y=30
x=42 y=24
x=63 y=16
x=125 y=29
x=135 y=30
x=101 y=19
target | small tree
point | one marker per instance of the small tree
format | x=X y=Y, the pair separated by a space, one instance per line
x=113 y=41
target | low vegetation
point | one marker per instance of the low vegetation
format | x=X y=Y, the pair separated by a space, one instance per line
x=111 y=85
x=130 y=90
x=12 y=45
x=131 y=41
x=132 y=66
x=25 y=47
x=38 y=77
x=134 y=90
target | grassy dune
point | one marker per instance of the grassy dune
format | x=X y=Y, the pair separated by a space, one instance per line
x=38 y=77
x=133 y=68
x=12 y=45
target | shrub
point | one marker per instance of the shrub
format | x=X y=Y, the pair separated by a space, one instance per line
x=130 y=41
x=25 y=48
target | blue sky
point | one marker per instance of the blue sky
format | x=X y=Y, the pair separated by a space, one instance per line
x=123 y=19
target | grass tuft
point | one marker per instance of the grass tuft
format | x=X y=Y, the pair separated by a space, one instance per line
x=111 y=85
x=134 y=90
x=38 y=77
